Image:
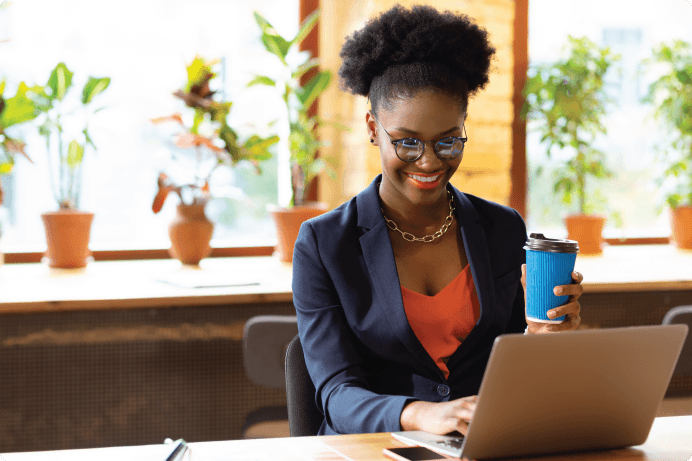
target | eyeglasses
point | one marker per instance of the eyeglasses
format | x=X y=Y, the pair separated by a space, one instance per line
x=411 y=149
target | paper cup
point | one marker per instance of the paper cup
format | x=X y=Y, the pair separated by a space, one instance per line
x=549 y=263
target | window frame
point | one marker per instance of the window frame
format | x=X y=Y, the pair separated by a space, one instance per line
x=518 y=173
x=310 y=43
x=519 y=184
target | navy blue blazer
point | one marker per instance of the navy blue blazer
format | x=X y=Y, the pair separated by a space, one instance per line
x=362 y=355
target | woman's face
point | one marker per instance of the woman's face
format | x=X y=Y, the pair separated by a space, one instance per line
x=427 y=116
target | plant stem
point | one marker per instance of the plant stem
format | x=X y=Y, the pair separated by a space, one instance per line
x=580 y=183
x=51 y=179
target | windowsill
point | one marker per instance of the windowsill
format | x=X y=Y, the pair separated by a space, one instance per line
x=636 y=268
x=133 y=284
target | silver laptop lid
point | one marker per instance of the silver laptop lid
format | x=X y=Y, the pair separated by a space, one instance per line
x=580 y=390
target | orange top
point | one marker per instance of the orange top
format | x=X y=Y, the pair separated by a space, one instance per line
x=441 y=322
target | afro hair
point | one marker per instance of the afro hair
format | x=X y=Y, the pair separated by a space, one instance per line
x=405 y=51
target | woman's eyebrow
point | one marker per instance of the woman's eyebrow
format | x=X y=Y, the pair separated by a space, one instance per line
x=401 y=129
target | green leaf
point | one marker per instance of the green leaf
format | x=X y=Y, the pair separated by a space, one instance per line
x=273 y=42
x=75 y=154
x=277 y=45
x=263 y=23
x=306 y=27
x=93 y=87
x=88 y=138
x=314 y=88
x=262 y=80
x=60 y=81
x=18 y=109
x=258 y=147
x=197 y=72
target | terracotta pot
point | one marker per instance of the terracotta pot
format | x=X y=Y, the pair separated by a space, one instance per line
x=681 y=224
x=288 y=221
x=190 y=233
x=587 y=230
x=67 y=237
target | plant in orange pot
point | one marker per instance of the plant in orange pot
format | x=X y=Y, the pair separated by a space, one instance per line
x=567 y=100
x=215 y=144
x=303 y=144
x=64 y=125
x=671 y=95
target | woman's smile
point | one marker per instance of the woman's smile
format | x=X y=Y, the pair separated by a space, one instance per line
x=424 y=181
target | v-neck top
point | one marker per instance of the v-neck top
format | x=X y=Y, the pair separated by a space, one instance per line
x=441 y=322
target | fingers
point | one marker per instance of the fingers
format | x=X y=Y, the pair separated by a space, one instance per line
x=462 y=427
x=571 y=309
x=465 y=407
x=570 y=323
x=572 y=290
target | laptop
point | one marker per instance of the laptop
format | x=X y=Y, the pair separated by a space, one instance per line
x=572 y=391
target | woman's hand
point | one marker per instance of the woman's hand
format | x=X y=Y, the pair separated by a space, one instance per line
x=439 y=417
x=571 y=309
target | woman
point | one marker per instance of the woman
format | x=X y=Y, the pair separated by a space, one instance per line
x=401 y=291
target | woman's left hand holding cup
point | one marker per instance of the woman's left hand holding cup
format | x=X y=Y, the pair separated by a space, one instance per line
x=570 y=310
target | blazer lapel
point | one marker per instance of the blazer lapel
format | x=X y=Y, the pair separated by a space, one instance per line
x=379 y=259
x=476 y=246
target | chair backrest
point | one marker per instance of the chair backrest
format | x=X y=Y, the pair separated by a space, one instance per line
x=303 y=416
x=682 y=314
x=265 y=341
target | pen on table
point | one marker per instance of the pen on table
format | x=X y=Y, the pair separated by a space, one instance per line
x=178 y=451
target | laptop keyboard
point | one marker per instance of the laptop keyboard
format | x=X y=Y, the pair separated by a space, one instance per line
x=451 y=443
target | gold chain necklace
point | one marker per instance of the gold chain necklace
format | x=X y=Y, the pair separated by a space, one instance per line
x=428 y=238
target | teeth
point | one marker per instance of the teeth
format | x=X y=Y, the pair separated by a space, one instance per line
x=424 y=179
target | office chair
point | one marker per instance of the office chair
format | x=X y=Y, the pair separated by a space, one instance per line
x=682 y=314
x=265 y=340
x=303 y=416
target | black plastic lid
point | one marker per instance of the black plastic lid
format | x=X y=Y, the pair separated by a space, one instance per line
x=539 y=242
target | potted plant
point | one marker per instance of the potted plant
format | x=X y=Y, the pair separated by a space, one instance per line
x=210 y=136
x=13 y=111
x=567 y=100
x=68 y=228
x=302 y=140
x=671 y=96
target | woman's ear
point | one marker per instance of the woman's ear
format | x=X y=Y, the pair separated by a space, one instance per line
x=372 y=128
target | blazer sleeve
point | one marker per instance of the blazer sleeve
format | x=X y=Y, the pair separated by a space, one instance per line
x=331 y=350
x=517 y=321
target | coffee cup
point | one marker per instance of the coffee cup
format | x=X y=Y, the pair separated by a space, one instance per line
x=549 y=263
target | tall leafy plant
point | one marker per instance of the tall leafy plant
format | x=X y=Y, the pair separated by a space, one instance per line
x=66 y=152
x=567 y=99
x=298 y=98
x=671 y=96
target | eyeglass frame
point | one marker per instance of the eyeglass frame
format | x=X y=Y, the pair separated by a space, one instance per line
x=395 y=142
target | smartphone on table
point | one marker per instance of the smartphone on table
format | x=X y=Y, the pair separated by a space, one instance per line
x=414 y=454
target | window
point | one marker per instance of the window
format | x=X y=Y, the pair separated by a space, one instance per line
x=631 y=132
x=144 y=46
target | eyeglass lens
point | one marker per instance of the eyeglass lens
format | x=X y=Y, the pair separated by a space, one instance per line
x=411 y=149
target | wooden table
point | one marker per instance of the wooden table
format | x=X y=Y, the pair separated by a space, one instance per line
x=670 y=440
